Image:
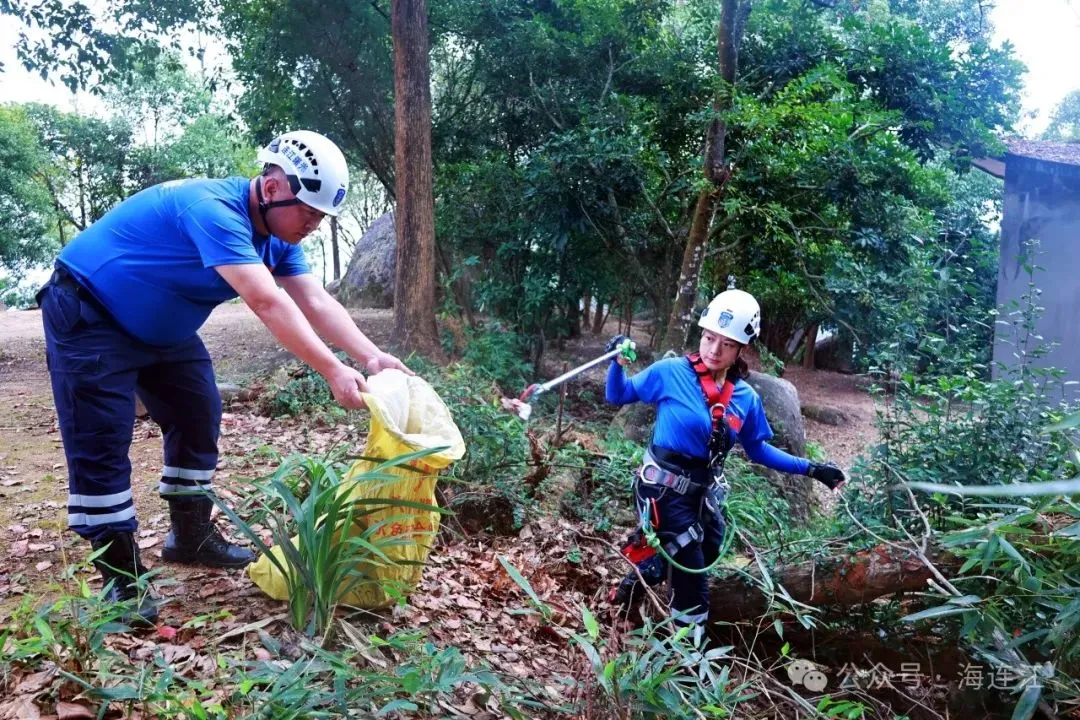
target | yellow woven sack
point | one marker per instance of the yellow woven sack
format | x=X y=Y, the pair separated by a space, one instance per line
x=407 y=415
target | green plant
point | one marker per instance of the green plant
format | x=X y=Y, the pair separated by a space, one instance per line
x=770 y=363
x=491 y=484
x=657 y=672
x=304 y=394
x=321 y=566
x=816 y=452
x=602 y=493
x=1012 y=596
x=499 y=353
x=830 y=707
x=377 y=676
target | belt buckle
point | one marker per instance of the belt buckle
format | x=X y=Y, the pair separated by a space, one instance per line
x=643 y=473
x=682 y=483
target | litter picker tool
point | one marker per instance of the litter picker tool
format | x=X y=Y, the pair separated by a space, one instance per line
x=626 y=348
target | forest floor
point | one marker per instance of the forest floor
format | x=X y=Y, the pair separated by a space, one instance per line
x=465 y=599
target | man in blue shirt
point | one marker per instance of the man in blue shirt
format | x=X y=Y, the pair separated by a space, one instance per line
x=121 y=315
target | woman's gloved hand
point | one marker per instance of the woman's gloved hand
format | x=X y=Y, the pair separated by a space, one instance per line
x=628 y=356
x=828 y=475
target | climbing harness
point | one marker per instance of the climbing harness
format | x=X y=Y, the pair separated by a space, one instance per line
x=712 y=499
x=717 y=398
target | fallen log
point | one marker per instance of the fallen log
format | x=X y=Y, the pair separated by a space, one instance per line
x=836 y=580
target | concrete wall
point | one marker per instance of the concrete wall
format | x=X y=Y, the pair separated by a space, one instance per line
x=1042 y=201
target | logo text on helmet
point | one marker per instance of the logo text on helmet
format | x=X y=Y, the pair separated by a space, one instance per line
x=339 y=196
x=295 y=158
x=725 y=318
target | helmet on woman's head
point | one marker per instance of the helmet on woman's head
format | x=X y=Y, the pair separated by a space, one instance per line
x=316 y=170
x=734 y=314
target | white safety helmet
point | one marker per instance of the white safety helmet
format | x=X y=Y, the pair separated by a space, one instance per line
x=734 y=314
x=315 y=167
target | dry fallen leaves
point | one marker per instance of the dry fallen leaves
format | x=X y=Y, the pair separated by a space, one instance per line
x=74 y=711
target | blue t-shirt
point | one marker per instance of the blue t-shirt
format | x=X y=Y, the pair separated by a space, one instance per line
x=150 y=260
x=683 y=423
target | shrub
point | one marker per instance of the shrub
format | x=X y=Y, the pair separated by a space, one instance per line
x=498 y=353
x=304 y=394
x=1015 y=597
x=489 y=486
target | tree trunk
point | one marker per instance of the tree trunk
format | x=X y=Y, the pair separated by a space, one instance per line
x=600 y=318
x=414 y=282
x=586 y=312
x=733 y=15
x=846 y=580
x=335 y=247
x=82 y=191
x=322 y=249
x=573 y=319
x=811 y=343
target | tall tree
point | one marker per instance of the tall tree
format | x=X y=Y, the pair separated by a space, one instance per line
x=27 y=214
x=730 y=30
x=95 y=156
x=414 y=283
x=1065 y=121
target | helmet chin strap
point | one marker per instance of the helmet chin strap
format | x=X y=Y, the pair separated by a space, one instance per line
x=265 y=206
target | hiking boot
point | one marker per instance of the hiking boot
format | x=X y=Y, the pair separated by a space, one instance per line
x=630 y=590
x=120 y=565
x=193 y=539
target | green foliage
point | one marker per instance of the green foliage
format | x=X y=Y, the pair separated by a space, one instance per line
x=295 y=75
x=65 y=638
x=833 y=708
x=1065 y=121
x=307 y=393
x=994 y=427
x=26 y=214
x=567 y=136
x=657 y=672
x=602 y=492
x=499 y=353
x=1014 y=598
x=325 y=562
x=770 y=364
x=89 y=158
x=492 y=478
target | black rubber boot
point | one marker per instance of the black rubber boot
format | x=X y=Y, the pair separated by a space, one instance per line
x=193 y=539
x=630 y=591
x=120 y=564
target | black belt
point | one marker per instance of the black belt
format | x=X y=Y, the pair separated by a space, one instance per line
x=696 y=469
x=65 y=279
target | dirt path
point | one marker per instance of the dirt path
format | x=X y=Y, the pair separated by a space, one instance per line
x=846 y=393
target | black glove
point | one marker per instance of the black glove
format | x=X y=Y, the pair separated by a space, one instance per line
x=828 y=474
x=615 y=342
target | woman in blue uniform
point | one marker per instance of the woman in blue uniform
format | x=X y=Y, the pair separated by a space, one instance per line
x=703 y=406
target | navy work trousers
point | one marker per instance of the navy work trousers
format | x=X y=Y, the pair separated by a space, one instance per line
x=96 y=370
x=689 y=591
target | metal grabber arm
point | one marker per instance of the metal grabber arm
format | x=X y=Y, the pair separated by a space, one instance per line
x=627 y=348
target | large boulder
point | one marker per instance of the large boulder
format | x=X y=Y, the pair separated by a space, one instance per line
x=369 y=279
x=835 y=353
x=783 y=410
